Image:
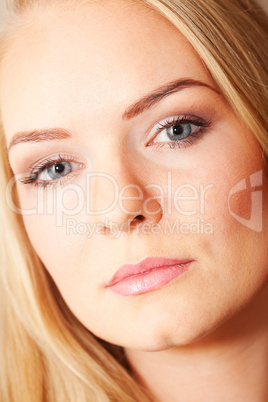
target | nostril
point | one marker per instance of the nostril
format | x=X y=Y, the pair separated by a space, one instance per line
x=140 y=218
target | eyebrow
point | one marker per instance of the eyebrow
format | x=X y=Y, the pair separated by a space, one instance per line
x=132 y=111
x=160 y=93
x=39 y=135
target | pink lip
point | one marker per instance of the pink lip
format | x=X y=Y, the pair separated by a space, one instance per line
x=148 y=274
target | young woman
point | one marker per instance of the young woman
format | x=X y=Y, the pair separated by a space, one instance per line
x=134 y=201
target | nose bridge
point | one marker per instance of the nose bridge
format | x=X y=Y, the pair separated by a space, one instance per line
x=118 y=193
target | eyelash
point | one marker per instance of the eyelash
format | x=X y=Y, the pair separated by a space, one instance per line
x=180 y=120
x=43 y=165
x=176 y=120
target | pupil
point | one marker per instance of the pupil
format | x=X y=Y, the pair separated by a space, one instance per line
x=59 y=168
x=178 y=130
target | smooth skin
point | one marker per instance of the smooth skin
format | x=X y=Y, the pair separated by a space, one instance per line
x=204 y=335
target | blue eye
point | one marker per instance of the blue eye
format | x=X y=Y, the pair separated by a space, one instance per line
x=179 y=131
x=51 y=170
x=176 y=132
x=58 y=170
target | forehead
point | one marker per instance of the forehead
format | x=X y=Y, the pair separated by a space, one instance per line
x=77 y=63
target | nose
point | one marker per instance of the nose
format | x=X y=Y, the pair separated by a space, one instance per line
x=121 y=198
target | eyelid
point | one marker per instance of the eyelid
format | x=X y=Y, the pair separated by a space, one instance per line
x=175 y=119
x=45 y=169
x=52 y=158
x=40 y=166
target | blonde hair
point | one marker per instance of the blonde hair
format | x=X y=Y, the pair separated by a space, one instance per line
x=46 y=353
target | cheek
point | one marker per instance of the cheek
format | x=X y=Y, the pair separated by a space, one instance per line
x=61 y=253
x=217 y=202
x=49 y=232
x=53 y=244
x=236 y=180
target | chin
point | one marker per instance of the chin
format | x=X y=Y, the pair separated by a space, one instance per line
x=189 y=331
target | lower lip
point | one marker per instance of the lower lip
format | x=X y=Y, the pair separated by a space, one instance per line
x=147 y=282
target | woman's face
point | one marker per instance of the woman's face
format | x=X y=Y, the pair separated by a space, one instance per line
x=169 y=170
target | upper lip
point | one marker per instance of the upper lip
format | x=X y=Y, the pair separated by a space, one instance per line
x=143 y=266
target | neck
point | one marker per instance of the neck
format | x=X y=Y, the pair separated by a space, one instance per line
x=230 y=364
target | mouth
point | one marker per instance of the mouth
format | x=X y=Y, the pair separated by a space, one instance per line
x=149 y=274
